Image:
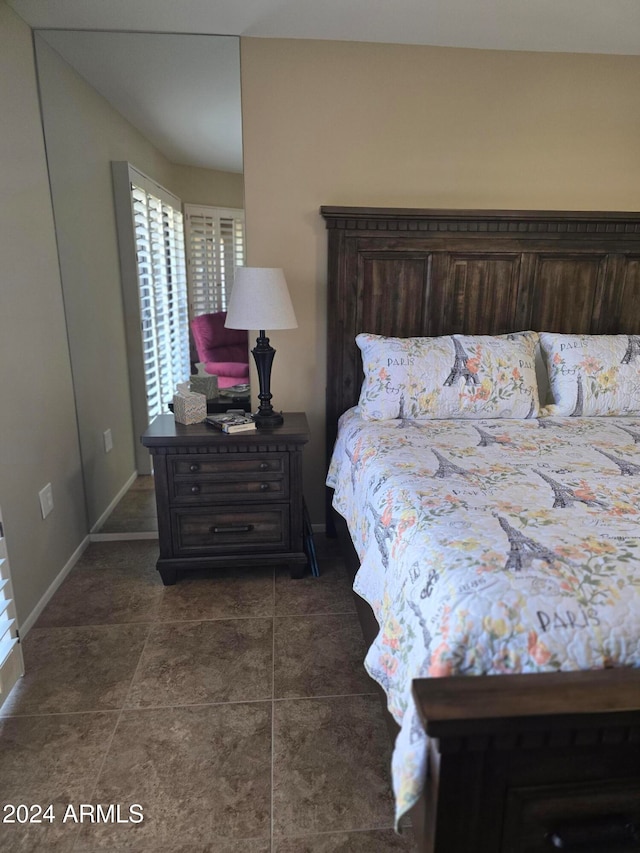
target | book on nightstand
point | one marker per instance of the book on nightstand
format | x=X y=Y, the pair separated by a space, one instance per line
x=231 y=423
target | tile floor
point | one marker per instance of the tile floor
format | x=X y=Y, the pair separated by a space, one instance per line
x=232 y=707
x=136 y=511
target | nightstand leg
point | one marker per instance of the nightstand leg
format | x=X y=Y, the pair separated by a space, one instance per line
x=297 y=570
x=169 y=576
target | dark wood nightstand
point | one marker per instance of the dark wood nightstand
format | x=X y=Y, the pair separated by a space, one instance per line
x=226 y=500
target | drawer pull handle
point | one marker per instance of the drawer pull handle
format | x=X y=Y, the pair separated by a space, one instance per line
x=233 y=528
x=195 y=466
x=264 y=487
x=195 y=489
x=264 y=466
x=602 y=834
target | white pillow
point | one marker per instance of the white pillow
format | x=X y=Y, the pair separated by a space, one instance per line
x=457 y=376
x=593 y=375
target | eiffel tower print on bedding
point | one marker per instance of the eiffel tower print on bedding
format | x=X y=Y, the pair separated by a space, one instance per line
x=518 y=552
x=593 y=375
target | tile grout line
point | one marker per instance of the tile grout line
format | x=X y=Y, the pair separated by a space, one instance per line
x=340 y=831
x=324 y=696
x=177 y=621
x=115 y=728
x=156 y=623
x=272 y=700
x=118 y=713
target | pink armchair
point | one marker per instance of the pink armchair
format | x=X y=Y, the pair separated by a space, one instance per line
x=224 y=352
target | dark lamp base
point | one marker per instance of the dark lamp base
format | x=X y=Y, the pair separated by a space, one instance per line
x=263 y=353
x=273 y=419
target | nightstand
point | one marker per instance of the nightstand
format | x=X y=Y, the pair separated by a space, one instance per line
x=226 y=500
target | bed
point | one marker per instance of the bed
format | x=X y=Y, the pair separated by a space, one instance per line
x=543 y=752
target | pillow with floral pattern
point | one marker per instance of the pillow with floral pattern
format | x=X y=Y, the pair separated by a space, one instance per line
x=593 y=375
x=454 y=376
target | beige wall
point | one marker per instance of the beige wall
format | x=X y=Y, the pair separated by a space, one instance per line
x=40 y=413
x=38 y=433
x=208 y=186
x=342 y=123
x=324 y=123
x=84 y=134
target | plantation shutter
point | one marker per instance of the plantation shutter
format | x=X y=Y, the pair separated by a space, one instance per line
x=215 y=247
x=162 y=282
x=11 y=662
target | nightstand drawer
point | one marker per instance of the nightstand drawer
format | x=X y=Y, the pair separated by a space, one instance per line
x=198 y=490
x=230 y=531
x=225 y=465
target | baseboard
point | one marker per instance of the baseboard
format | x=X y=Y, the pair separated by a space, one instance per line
x=122 y=537
x=105 y=515
x=31 y=619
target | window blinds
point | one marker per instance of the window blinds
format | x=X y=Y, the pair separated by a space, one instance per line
x=160 y=251
x=11 y=663
x=215 y=247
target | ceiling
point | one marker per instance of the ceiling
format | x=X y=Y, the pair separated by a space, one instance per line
x=206 y=126
x=574 y=26
x=182 y=92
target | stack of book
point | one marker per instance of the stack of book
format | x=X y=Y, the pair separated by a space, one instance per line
x=231 y=423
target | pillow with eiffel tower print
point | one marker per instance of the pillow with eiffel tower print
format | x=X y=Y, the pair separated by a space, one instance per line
x=593 y=375
x=454 y=376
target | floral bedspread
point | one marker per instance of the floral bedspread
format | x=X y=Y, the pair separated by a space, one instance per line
x=490 y=546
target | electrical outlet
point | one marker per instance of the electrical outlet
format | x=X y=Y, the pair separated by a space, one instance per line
x=108 y=440
x=46 y=500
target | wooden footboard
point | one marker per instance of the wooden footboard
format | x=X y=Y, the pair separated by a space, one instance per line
x=525 y=763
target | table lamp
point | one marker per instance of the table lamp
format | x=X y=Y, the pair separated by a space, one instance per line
x=260 y=300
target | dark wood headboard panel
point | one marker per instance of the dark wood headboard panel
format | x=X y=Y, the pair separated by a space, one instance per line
x=438 y=272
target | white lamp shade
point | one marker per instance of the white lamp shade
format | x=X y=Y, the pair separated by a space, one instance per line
x=260 y=300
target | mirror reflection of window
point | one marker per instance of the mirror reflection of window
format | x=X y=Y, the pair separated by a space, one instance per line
x=215 y=248
x=154 y=216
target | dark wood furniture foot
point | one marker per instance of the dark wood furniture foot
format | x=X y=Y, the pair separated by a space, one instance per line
x=298 y=570
x=169 y=576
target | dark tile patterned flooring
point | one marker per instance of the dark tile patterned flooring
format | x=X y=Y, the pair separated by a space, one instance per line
x=233 y=707
x=136 y=511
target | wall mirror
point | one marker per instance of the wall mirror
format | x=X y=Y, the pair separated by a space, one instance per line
x=169 y=106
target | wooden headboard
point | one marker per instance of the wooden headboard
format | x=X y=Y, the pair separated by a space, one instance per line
x=438 y=272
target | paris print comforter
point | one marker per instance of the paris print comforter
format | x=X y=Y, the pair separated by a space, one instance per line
x=490 y=546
